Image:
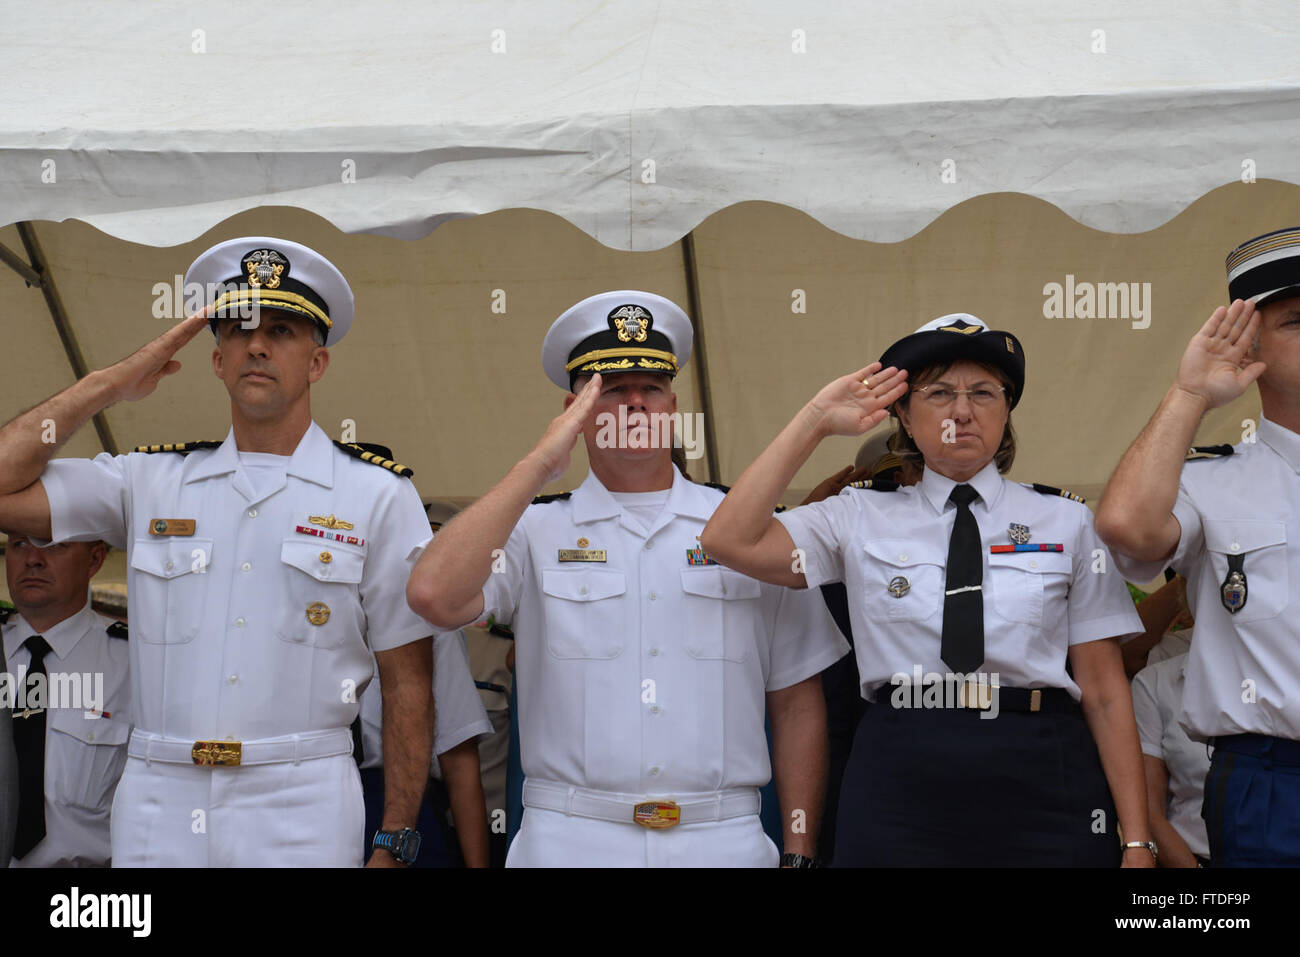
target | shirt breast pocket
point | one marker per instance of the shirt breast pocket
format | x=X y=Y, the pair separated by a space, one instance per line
x=722 y=617
x=1019 y=582
x=86 y=757
x=1263 y=552
x=172 y=588
x=322 y=606
x=903 y=579
x=584 y=613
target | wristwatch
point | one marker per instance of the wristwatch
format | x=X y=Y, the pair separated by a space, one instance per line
x=798 y=860
x=404 y=845
x=1149 y=845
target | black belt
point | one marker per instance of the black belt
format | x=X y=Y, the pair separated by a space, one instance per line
x=1281 y=750
x=1021 y=700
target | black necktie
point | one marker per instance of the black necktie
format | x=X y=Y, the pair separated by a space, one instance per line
x=29 y=743
x=962 y=648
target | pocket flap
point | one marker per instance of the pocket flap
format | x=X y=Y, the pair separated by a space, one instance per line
x=590 y=584
x=1041 y=563
x=105 y=731
x=172 y=557
x=1234 y=538
x=713 y=581
x=904 y=553
x=324 y=562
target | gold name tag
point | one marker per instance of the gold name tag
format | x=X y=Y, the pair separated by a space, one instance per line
x=582 y=555
x=213 y=753
x=171 y=526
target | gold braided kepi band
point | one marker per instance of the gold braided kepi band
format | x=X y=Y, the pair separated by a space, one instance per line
x=622 y=353
x=272 y=298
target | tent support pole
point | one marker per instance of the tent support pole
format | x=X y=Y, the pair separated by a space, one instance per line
x=19 y=265
x=45 y=280
x=701 y=355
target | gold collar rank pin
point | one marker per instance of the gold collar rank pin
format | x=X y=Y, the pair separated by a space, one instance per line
x=171 y=526
x=899 y=586
x=582 y=553
x=1019 y=533
x=318 y=613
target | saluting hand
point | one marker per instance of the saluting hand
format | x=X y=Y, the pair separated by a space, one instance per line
x=855 y=403
x=138 y=374
x=1214 y=367
x=556 y=446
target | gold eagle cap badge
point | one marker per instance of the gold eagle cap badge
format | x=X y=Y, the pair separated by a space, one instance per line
x=632 y=323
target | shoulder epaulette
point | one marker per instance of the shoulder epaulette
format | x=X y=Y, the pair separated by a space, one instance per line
x=117 y=630
x=1053 y=490
x=557 y=497
x=183 y=447
x=359 y=450
x=1198 y=452
x=724 y=489
x=876 y=485
x=501 y=631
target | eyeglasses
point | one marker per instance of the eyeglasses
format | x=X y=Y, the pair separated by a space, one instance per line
x=942 y=396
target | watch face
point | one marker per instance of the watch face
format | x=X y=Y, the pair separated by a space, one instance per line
x=408 y=848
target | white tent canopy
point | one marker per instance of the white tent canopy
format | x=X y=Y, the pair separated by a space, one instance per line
x=636 y=120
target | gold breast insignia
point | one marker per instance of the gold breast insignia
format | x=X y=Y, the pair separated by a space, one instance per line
x=329 y=521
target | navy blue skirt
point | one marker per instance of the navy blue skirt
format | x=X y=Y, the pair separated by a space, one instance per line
x=946 y=788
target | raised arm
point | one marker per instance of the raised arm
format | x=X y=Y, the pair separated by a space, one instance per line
x=742 y=532
x=29 y=441
x=1136 y=513
x=446 y=586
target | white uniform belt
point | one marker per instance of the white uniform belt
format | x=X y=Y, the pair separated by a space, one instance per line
x=621 y=808
x=304 y=746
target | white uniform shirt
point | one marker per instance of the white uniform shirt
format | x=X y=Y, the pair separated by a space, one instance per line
x=1243 y=673
x=1157 y=701
x=458 y=710
x=642 y=673
x=221 y=643
x=1036 y=604
x=84 y=752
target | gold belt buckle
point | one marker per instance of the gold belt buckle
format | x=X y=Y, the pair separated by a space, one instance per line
x=1036 y=700
x=974 y=695
x=211 y=753
x=657 y=815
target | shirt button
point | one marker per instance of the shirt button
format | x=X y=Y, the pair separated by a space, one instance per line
x=252 y=513
x=170 y=565
x=582 y=590
x=239 y=623
x=654 y=709
x=90 y=736
x=233 y=678
x=247 y=566
x=1033 y=564
x=654 y=652
x=902 y=558
x=649 y=545
x=654 y=771
x=1236 y=546
x=653 y=596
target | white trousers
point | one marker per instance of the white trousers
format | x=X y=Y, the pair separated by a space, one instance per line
x=309 y=814
x=555 y=839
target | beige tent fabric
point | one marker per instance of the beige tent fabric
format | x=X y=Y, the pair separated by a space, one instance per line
x=457 y=390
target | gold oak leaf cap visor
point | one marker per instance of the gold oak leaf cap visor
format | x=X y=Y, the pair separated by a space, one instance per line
x=612 y=332
x=960 y=336
x=275 y=274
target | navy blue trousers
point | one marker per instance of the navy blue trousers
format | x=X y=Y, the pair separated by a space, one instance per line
x=439 y=846
x=946 y=788
x=1251 y=805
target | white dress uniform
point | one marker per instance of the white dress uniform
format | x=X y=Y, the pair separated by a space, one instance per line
x=1157 y=702
x=867 y=539
x=642 y=674
x=1243 y=670
x=251 y=628
x=459 y=713
x=85 y=746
